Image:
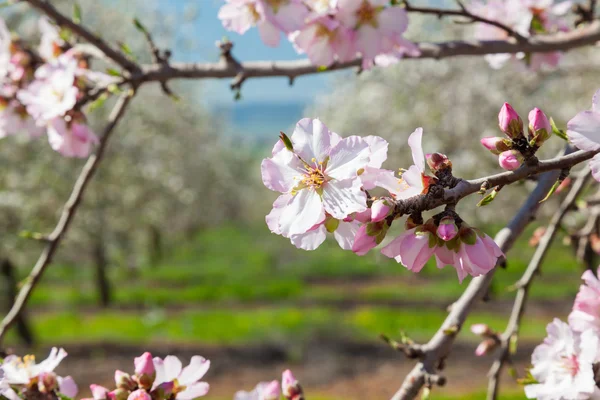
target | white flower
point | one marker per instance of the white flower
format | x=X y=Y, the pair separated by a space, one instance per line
x=20 y=371
x=187 y=384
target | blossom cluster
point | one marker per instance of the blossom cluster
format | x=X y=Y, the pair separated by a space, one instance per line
x=564 y=365
x=40 y=90
x=290 y=389
x=326 y=30
x=525 y=17
x=22 y=377
x=511 y=151
x=324 y=178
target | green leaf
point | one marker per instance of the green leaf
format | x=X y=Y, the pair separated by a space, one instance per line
x=528 y=379
x=512 y=372
x=139 y=26
x=488 y=199
x=113 y=72
x=426 y=394
x=552 y=190
x=65 y=34
x=114 y=89
x=77 y=13
x=558 y=132
x=99 y=102
x=126 y=49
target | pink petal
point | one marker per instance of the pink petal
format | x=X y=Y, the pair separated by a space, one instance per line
x=67 y=386
x=345 y=234
x=584 y=130
x=194 y=391
x=272 y=218
x=269 y=33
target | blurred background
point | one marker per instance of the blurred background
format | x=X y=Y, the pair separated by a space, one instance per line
x=170 y=252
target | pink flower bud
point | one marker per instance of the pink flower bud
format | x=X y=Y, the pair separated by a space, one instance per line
x=289 y=385
x=510 y=160
x=494 y=144
x=143 y=364
x=363 y=242
x=139 y=394
x=47 y=382
x=271 y=391
x=481 y=329
x=485 y=347
x=379 y=210
x=118 y=394
x=539 y=127
x=447 y=229
x=99 y=392
x=364 y=216
x=123 y=380
x=437 y=162
x=510 y=122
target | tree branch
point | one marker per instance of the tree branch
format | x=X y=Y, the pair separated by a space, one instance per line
x=66 y=22
x=586 y=36
x=512 y=328
x=441 y=343
x=69 y=211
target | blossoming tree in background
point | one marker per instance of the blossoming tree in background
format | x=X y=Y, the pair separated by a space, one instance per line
x=328 y=183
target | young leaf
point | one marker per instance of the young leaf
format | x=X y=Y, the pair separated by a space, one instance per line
x=558 y=132
x=488 y=199
x=113 y=72
x=126 y=49
x=99 y=102
x=139 y=26
x=77 y=13
x=552 y=190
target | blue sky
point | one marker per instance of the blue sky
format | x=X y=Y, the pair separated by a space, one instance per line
x=206 y=28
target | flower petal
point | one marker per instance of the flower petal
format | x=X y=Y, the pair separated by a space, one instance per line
x=583 y=130
x=311 y=139
x=414 y=141
x=347 y=157
x=194 y=371
x=172 y=368
x=342 y=198
x=194 y=391
x=345 y=234
x=303 y=212
x=311 y=239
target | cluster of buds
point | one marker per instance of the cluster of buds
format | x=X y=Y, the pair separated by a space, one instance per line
x=290 y=389
x=155 y=379
x=490 y=342
x=513 y=150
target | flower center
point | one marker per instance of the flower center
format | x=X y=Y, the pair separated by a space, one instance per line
x=253 y=12
x=571 y=364
x=314 y=176
x=177 y=387
x=275 y=4
x=323 y=32
x=366 y=14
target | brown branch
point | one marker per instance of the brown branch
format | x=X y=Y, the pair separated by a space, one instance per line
x=69 y=210
x=464 y=12
x=441 y=343
x=586 y=36
x=66 y=22
x=523 y=285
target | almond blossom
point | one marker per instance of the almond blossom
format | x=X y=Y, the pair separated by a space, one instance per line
x=50 y=42
x=71 y=139
x=186 y=381
x=583 y=131
x=271 y=17
x=262 y=391
x=14 y=119
x=412 y=248
x=586 y=310
x=23 y=371
x=318 y=173
x=564 y=364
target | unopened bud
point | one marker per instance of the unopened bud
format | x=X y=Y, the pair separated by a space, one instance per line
x=486 y=346
x=481 y=329
x=139 y=394
x=379 y=210
x=494 y=144
x=563 y=185
x=509 y=121
x=271 y=391
x=363 y=242
x=99 y=392
x=510 y=160
x=539 y=127
x=47 y=382
x=123 y=380
x=537 y=236
x=438 y=162
x=119 y=394
x=290 y=386
x=447 y=229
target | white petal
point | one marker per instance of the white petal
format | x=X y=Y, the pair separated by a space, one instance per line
x=311 y=239
x=347 y=157
x=414 y=141
x=194 y=371
x=193 y=391
x=584 y=130
x=272 y=218
x=302 y=213
x=378 y=147
x=345 y=234
x=342 y=198
x=311 y=139
x=279 y=172
x=172 y=368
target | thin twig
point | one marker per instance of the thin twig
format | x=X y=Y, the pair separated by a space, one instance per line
x=64 y=21
x=464 y=12
x=441 y=343
x=523 y=285
x=69 y=210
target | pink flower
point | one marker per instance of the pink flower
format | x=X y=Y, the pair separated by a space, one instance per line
x=21 y=371
x=139 y=394
x=478 y=253
x=586 y=310
x=71 y=139
x=379 y=210
x=99 y=392
x=53 y=93
x=144 y=364
x=400 y=49
x=324 y=40
x=369 y=235
x=51 y=42
x=5 y=54
x=539 y=126
x=447 y=229
x=262 y=391
x=485 y=347
x=271 y=18
x=509 y=121
x=188 y=385
x=378 y=27
x=320 y=175
x=412 y=248
x=563 y=364
x=510 y=160
x=494 y=144
x=14 y=119
x=583 y=131
x=290 y=386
